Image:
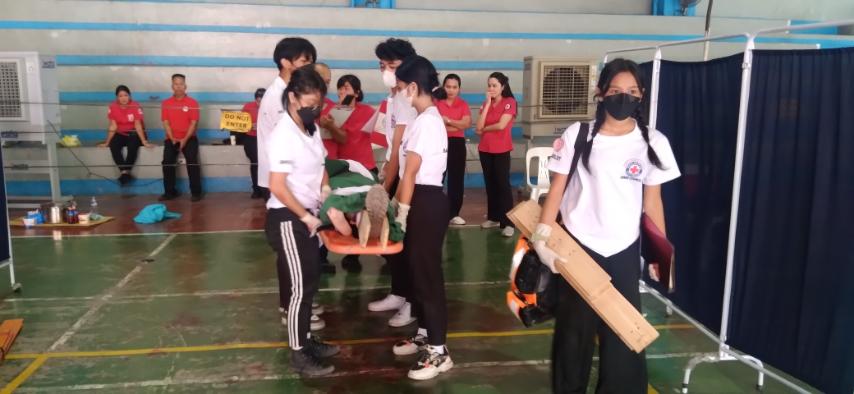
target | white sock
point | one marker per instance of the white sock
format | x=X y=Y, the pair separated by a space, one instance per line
x=422 y=332
x=438 y=349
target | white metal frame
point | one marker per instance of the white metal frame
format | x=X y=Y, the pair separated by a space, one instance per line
x=11 y=261
x=724 y=352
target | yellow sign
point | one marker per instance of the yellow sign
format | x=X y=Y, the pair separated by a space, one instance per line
x=237 y=121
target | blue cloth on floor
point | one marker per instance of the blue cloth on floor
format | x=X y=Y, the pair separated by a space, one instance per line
x=155 y=213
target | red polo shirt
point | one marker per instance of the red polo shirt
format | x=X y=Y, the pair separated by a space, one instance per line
x=499 y=141
x=455 y=111
x=252 y=109
x=358 y=145
x=330 y=144
x=125 y=117
x=179 y=113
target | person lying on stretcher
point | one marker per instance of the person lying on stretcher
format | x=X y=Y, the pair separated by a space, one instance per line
x=358 y=203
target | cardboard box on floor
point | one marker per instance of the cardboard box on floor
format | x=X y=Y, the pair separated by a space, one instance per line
x=589 y=280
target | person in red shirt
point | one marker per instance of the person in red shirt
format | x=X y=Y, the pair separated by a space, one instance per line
x=180 y=116
x=125 y=131
x=493 y=126
x=457 y=117
x=331 y=138
x=250 y=141
x=355 y=144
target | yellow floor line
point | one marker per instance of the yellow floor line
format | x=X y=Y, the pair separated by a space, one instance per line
x=23 y=376
x=276 y=345
x=40 y=358
x=650 y=389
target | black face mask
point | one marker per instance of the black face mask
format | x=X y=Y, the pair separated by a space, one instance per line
x=621 y=106
x=307 y=116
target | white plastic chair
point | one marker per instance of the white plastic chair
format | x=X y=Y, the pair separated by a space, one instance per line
x=542 y=154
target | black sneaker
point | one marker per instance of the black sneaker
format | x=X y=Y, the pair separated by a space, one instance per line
x=256 y=194
x=430 y=364
x=306 y=363
x=196 y=197
x=322 y=349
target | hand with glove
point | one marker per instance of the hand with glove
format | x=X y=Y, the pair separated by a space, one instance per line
x=402 y=213
x=545 y=253
x=312 y=222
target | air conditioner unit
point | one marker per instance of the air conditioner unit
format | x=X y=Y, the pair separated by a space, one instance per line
x=556 y=93
x=29 y=112
x=29 y=97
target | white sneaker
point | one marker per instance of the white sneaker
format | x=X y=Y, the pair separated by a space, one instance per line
x=508 y=231
x=389 y=303
x=489 y=224
x=431 y=364
x=409 y=345
x=458 y=221
x=403 y=317
x=317 y=323
x=284 y=314
x=316 y=309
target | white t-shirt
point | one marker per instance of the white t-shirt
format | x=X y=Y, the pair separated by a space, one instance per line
x=602 y=207
x=427 y=137
x=269 y=113
x=398 y=112
x=300 y=156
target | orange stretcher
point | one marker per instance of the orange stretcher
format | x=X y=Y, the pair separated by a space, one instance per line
x=9 y=330
x=347 y=245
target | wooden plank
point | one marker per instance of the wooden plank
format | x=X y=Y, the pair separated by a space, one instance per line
x=589 y=280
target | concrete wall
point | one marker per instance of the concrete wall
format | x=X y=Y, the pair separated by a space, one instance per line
x=226 y=49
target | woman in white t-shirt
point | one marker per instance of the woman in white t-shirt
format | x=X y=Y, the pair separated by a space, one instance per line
x=298 y=185
x=619 y=175
x=423 y=213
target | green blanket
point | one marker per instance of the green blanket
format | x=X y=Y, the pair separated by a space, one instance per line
x=349 y=188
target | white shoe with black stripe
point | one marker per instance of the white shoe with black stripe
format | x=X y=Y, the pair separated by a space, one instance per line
x=431 y=363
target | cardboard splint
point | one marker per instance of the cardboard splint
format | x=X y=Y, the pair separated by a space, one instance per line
x=589 y=280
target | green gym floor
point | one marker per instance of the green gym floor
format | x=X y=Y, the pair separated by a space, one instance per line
x=197 y=312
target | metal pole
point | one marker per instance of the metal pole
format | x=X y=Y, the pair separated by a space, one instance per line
x=736 y=183
x=653 y=94
x=708 y=31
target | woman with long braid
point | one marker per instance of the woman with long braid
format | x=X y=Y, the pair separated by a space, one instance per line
x=619 y=176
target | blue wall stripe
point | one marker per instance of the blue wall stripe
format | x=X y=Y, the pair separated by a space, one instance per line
x=244 y=62
x=111 y=26
x=98 y=135
x=154 y=186
x=146 y=98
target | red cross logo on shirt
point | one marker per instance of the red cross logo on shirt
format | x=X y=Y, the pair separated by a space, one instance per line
x=634 y=169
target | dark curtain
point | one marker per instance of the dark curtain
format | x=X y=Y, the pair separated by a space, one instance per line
x=793 y=288
x=5 y=253
x=698 y=111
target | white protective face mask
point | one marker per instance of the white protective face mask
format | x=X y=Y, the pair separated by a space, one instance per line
x=389 y=80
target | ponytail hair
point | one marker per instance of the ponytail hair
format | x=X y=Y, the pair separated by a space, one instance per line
x=608 y=73
x=505 y=84
x=420 y=71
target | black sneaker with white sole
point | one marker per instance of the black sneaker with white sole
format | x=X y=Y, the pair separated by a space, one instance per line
x=430 y=364
x=306 y=363
x=322 y=349
x=410 y=345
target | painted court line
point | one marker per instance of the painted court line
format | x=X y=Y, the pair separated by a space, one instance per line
x=239 y=292
x=283 y=377
x=100 y=302
x=276 y=345
x=143 y=234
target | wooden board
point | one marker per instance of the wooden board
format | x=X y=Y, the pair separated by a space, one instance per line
x=589 y=280
x=19 y=222
x=346 y=245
